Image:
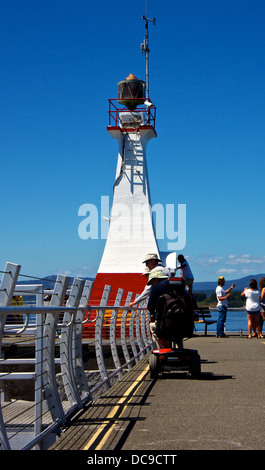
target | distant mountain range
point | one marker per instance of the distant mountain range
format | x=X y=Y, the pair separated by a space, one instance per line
x=48 y=281
x=209 y=287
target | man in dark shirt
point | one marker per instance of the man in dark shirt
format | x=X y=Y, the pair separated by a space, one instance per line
x=159 y=284
x=175 y=288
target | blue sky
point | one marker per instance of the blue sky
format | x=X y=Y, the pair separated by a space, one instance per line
x=62 y=60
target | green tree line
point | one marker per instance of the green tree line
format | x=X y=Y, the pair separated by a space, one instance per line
x=234 y=300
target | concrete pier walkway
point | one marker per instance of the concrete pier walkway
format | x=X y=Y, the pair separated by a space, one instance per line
x=223 y=410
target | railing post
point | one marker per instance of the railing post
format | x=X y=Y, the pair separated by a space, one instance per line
x=80 y=375
x=113 y=343
x=138 y=333
x=147 y=320
x=67 y=345
x=132 y=336
x=7 y=288
x=143 y=326
x=98 y=338
x=40 y=318
x=123 y=330
x=49 y=376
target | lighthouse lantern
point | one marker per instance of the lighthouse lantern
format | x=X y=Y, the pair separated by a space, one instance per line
x=131 y=92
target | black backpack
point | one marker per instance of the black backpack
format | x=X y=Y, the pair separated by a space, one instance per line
x=175 y=317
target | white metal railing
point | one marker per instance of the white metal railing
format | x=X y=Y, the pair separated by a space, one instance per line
x=43 y=378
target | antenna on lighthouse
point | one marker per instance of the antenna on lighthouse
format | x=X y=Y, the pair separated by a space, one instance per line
x=145 y=48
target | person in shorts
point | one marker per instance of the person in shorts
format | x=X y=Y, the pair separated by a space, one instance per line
x=262 y=300
x=252 y=295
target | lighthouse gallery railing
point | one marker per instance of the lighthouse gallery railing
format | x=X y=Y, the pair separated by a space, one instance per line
x=47 y=397
x=115 y=112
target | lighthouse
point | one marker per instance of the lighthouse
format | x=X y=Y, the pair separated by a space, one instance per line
x=131 y=234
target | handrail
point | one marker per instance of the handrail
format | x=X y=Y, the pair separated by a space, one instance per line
x=61 y=384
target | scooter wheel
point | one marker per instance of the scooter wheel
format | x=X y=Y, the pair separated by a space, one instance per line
x=195 y=366
x=154 y=366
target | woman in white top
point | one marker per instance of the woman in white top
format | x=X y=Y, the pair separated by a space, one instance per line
x=262 y=300
x=252 y=295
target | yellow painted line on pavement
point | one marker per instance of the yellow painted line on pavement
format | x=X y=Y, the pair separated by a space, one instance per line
x=133 y=388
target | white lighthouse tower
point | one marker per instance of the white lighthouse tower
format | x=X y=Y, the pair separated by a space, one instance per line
x=131 y=235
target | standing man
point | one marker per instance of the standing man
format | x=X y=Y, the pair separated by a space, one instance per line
x=185 y=273
x=222 y=304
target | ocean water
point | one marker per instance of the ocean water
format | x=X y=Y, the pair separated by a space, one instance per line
x=236 y=320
